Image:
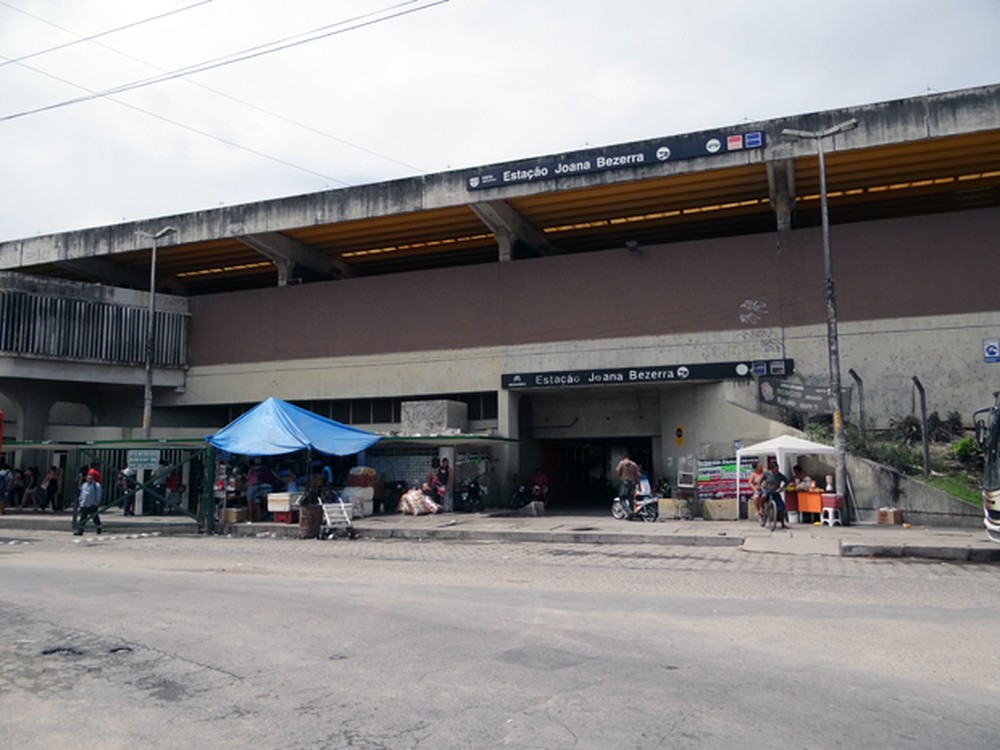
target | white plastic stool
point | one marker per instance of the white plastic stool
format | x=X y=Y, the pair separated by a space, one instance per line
x=830 y=517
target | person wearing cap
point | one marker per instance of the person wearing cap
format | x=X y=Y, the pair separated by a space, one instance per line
x=90 y=502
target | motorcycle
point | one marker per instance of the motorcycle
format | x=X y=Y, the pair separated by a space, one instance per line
x=526 y=493
x=642 y=507
x=470 y=496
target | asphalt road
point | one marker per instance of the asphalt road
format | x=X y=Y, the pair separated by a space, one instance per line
x=167 y=642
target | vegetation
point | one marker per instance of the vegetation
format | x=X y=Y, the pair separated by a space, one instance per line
x=956 y=463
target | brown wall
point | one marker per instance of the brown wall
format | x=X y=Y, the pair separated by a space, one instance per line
x=928 y=265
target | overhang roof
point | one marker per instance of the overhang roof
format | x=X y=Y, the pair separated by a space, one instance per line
x=924 y=155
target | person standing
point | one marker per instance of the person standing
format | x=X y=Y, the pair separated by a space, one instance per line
x=128 y=486
x=159 y=482
x=30 y=488
x=445 y=479
x=90 y=503
x=6 y=479
x=756 y=493
x=627 y=472
x=50 y=488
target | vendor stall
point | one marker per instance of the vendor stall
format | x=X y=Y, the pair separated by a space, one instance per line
x=275 y=427
x=786 y=449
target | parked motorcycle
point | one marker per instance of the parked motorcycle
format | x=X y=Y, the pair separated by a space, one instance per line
x=526 y=492
x=643 y=507
x=470 y=496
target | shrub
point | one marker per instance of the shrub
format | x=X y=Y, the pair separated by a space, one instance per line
x=900 y=457
x=905 y=430
x=966 y=451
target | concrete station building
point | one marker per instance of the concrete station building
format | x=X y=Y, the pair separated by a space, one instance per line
x=664 y=296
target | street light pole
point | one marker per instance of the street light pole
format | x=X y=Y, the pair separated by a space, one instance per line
x=833 y=345
x=147 y=395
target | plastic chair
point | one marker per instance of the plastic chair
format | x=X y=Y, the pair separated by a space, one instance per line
x=830 y=517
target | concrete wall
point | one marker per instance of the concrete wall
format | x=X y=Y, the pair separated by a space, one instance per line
x=877 y=486
x=906 y=305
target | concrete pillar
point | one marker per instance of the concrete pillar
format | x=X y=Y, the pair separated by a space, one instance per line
x=284 y=269
x=781 y=185
x=508 y=458
x=505 y=244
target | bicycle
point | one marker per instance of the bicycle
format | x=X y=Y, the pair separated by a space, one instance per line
x=768 y=511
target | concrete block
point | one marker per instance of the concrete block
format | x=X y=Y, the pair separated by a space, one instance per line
x=673 y=508
x=725 y=509
x=534 y=508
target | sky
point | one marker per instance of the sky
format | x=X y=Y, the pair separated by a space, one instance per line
x=116 y=112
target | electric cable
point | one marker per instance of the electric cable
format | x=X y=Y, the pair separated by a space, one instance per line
x=242 y=56
x=90 y=38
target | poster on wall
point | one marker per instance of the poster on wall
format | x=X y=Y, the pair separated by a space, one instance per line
x=717 y=479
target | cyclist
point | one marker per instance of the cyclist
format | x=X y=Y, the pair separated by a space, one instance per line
x=773 y=483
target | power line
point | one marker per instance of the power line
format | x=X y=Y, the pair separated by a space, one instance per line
x=242 y=56
x=205 y=133
x=90 y=38
x=217 y=92
x=357 y=21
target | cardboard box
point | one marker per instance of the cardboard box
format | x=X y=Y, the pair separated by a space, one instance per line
x=890 y=516
x=234 y=515
x=725 y=509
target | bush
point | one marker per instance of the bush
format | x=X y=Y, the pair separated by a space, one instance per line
x=905 y=430
x=966 y=451
x=900 y=457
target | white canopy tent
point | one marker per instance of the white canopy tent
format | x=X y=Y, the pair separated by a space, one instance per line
x=785 y=448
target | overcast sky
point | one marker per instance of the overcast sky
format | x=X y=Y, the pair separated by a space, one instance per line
x=443 y=84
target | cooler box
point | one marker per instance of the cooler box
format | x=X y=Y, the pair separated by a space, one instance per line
x=283 y=502
x=832 y=500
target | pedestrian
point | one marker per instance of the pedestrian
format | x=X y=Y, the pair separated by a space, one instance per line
x=89 y=503
x=50 y=488
x=30 y=475
x=159 y=482
x=756 y=493
x=127 y=484
x=5 y=481
x=627 y=472
x=446 y=479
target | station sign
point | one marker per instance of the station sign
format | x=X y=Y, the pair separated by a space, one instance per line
x=627 y=156
x=741 y=370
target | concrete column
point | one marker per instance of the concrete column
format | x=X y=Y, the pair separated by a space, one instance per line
x=781 y=184
x=509 y=459
x=505 y=244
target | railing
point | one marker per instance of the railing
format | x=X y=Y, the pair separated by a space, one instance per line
x=79 y=329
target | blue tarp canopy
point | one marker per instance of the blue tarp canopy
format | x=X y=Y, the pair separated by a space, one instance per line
x=274 y=427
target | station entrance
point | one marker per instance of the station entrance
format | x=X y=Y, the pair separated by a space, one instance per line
x=581 y=471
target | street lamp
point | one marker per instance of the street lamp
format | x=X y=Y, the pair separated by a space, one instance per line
x=836 y=397
x=147 y=395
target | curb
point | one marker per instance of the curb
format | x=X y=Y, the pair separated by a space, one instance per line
x=948 y=554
